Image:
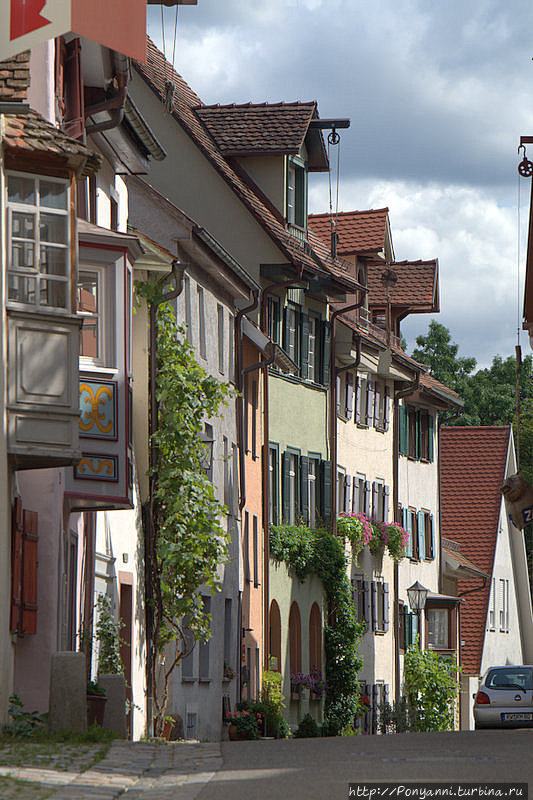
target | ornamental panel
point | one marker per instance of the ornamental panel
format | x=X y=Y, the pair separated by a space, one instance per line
x=94 y=467
x=98 y=410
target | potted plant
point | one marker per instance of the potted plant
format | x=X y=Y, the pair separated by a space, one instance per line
x=244 y=725
x=96 y=701
x=357 y=530
x=317 y=684
x=298 y=685
x=228 y=672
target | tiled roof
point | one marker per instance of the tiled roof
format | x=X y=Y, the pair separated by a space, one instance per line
x=427 y=381
x=15 y=77
x=157 y=72
x=26 y=134
x=472 y=470
x=452 y=549
x=358 y=231
x=257 y=127
x=417 y=288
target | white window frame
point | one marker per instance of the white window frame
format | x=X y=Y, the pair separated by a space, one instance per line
x=492 y=609
x=311 y=364
x=106 y=318
x=35 y=273
x=294 y=476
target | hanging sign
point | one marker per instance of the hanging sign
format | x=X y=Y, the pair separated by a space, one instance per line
x=117 y=24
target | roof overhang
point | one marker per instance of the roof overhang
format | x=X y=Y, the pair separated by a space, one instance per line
x=94 y=234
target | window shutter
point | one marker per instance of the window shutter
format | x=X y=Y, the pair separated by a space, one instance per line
x=377 y=403
x=325 y=489
x=369 y=402
x=375 y=499
x=374 y=598
x=430 y=436
x=73 y=122
x=408 y=525
x=421 y=535
x=386 y=496
x=339 y=398
x=418 y=434
x=16 y=565
x=299 y=196
x=348 y=493
x=432 y=535
x=404 y=430
x=304 y=488
x=367 y=499
x=29 y=572
x=407 y=628
x=414 y=628
x=366 y=603
x=386 y=409
x=358 y=400
x=285 y=466
x=385 y=607
x=325 y=352
x=285 y=328
x=246 y=546
x=355 y=496
x=349 y=394
x=304 y=346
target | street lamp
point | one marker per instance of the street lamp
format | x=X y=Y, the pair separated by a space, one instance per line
x=206 y=458
x=417 y=595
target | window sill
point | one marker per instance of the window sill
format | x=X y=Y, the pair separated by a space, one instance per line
x=91 y=366
x=204 y=680
x=362 y=425
x=188 y=680
x=380 y=633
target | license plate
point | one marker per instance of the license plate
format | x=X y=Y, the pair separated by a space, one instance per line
x=517 y=717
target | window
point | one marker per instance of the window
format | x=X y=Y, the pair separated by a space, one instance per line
x=203 y=650
x=492 y=610
x=291 y=497
x=380 y=501
x=290 y=343
x=295 y=639
x=413 y=433
x=411 y=628
x=231 y=347
x=187 y=662
x=312 y=487
x=254 y=418
x=274 y=330
x=315 y=638
x=296 y=194
x=227 y=493
x=401 y=625
x=504 y=610
x=273 y=485
x=38 y=241
x=312 y=358
x=113 y=214
x=361 y=599
x=412 y=528
x=365 y=402
x=201 y=323
x=438 y=628
x=416 y=433
x=429 y=535
x=380 y=606
x=227 y=632
x=89 y=306
x=255 y=551
x=220 y=317
x=341 y=495
x=275 y=637
x=360 y=495
x=208 y=431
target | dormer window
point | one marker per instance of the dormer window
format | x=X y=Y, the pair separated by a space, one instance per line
x=296 y=192
x=39 y=242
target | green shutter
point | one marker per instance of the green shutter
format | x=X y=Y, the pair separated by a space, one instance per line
x=407 y=628
x=418 y=433
x=325 y=353
x=304 y=346
x=430 y=436
x=285 y=466
x=408 y=525
x=304 y=488
x=403 y=424
x=325 y=489
x=432 y=534
x=421 y=535
x=285 y=343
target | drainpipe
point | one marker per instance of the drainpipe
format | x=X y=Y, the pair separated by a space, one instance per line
x=239 y=399
x=410 y=389
x=266 y=494
x=151 y=528
x=333 y=372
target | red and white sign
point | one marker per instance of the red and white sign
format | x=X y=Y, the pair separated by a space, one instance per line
x=117 y=24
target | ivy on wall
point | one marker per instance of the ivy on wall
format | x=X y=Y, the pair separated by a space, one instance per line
x=308 y=552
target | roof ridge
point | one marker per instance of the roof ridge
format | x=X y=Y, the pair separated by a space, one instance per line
x=347 y=213
x=251 y=104
x=476 y=427
x=416 y=261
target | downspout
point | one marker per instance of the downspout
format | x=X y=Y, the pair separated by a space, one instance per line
x=412 y=387
x=150 y=529
x=239 y=399
x=333 y=372
x=265 y=465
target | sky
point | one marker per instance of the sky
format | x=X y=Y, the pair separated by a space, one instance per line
x=438 y=93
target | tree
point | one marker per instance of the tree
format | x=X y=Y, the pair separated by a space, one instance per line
x=188 y=542
x=439 y=353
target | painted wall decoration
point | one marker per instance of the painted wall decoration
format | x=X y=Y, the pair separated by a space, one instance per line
x=98 y=407
x=95 y=467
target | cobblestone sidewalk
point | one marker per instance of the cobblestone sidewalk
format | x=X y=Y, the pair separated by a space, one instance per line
x=133 y=771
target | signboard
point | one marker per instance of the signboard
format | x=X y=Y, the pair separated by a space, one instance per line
x=527 y=515
x=117 y=24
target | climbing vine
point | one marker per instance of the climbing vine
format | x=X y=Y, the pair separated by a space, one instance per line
x=305 y=552
x=188 y=540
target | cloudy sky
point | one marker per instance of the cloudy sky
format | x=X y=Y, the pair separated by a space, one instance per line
x=438 y=92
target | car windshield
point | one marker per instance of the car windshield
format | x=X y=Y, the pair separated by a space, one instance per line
x=509 y=678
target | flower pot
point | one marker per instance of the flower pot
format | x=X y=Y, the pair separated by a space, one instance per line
x=232 y=733
x=95 y=709
x=167 y=729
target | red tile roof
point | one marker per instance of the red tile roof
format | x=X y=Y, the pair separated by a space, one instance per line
x=30 y=134
x=358 y=231
x=15 y=77
x=257 y=127
x=472 y=470
x=427 y=381
x=185 y=104
x=417 y=288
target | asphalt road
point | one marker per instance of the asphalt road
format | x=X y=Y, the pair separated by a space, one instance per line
x=322 y=768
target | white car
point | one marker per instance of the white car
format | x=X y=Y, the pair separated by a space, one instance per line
x=505 y=698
